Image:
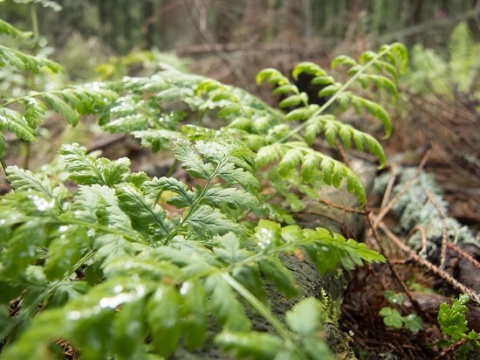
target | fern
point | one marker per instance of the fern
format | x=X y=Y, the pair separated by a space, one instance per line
x=121 y=265
x=455 y=327
x=124 y=234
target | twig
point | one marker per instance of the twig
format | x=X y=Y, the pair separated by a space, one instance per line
x=443 y=251
x=232 y=47
x=450 y=349
x=341 y=207
x=435 y=269
x=464 y=254
x=397 y=277
x=225 y=59
x=387 y=207
x=388 y=190
x=342 y=153
x=423 y=236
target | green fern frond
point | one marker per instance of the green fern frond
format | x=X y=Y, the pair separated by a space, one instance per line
x=294 y=154
x=12 y=31
x=85 y=169
x=13 y=121
x=334 y=129
x=22 y=61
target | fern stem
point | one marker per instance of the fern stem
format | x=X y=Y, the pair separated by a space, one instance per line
x=335 y=96
x=195 y=204
x=173 y=167
x=98 y=227
x=35 y=29
x=21 y=98
x=263 y=311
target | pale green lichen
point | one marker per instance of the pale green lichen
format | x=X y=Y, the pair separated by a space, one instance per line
x=414 y=209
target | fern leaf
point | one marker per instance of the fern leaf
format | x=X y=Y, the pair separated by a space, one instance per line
x=294 y=100
x=289 y=162
x=310 y=164
x=401 y=53
x=274 y=270
x=13 y=121
x=236 y=175
x=127 y=123
x=193 y=314
x=130 y=331
x=344 y=60
x=348 y=253
x=329 y=90
x=25 y=180
x=269 y=154
x=305 y=317
x=3 y=145
x=380 y=113
x=308 y=68
x=314 y=126
x=389 y=69
x=146 y=217
x=86 y=170
x=23 y=61
x=34 y=111
x=61 y=107
x=272 y=76
x=302 y=113
x=230 y=197
x=192 y=162
x=89 y=98
x=10 y=30
x=252 y=345
x=156 y=139
x=330 y=129
x=182 y=198
x=22 y=248
x=224 y=304
x=89 y=205
x=99 y=204
x=375 y=110
x=95 y=311
x=323 y=80
x=163 y=317
x=285 y=89
x=229 y=250
x=66 y=249
x=207 y=221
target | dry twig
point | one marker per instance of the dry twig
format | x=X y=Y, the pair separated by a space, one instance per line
x=428 y=265
x=464 y=254
x=371 y=219
x=443 y=251
x=387 y=207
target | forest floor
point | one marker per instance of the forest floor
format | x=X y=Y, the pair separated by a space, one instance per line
x=442 y=140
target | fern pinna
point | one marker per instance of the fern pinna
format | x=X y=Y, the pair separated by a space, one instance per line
x=124 y=266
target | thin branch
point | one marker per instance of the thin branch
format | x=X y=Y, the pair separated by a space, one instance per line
x=443 y=251
x=465 y=255
x=388 y=190
x=423 y=236
x=343 y=154
x=371 y=219
x=450 y=349
x=232 y=67
x=390 y=204
x=428 y=265
x=341 y=207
